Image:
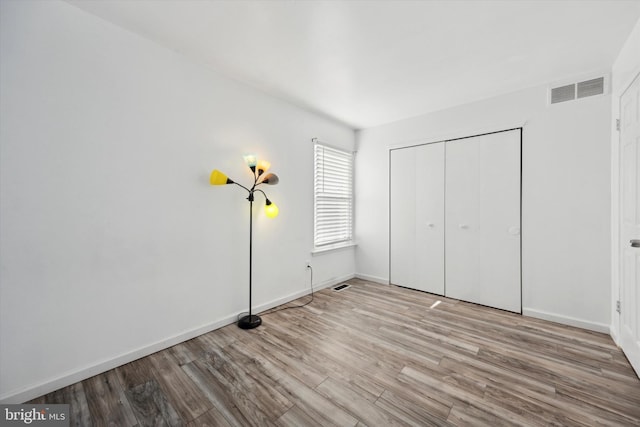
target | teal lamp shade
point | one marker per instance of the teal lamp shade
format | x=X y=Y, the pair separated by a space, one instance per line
x=251 y=160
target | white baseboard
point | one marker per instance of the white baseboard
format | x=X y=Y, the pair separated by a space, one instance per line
x=71 y=377
x=376 y=279
x=296 y=295
x=31 y=392
x=614 y=335
x=566 y=320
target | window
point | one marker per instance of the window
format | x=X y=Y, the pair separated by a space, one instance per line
x=333 y=196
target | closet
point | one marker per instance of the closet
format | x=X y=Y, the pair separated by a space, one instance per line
x=455 y=218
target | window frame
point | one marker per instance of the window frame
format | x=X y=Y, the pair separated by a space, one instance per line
x=337 y=155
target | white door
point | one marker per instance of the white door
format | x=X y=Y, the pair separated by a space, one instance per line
x=417 y=218
x=482 y=248
x=630 y=224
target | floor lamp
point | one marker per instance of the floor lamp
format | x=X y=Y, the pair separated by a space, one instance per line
x=260 y=176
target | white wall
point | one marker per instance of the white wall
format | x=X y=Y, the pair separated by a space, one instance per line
x=625 y=68
x=113 y=243
x=566 y=196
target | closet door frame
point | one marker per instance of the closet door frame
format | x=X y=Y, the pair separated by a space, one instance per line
x=444 y=141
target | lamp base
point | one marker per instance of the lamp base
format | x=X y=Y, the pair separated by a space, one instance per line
x=249 y=322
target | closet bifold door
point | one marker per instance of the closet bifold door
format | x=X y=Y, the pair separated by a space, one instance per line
x=482 y=198
x=417 y=217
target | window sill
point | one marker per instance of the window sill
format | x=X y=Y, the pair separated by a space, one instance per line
x=330 y=248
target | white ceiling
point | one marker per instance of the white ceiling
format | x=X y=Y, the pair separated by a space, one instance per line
x=366 y=63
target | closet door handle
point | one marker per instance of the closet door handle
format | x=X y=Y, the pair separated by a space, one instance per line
x=635 y=243
x=514 y=231
x=430 y=225
x=463 y=226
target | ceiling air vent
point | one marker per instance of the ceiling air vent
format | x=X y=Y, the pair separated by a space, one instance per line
x=591 y=87
x=563 y=93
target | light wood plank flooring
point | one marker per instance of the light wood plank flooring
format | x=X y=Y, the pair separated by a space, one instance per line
x=371 y=355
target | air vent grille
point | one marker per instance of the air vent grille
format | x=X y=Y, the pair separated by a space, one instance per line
x=577 y=90
x=591 y=87
x=563 y=93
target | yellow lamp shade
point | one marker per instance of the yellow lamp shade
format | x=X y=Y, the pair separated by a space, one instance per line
x=271 y=209
x=263 y=166
x=218 y=178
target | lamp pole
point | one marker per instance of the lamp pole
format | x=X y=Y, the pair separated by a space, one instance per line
x=250 y=321
x=250 y=249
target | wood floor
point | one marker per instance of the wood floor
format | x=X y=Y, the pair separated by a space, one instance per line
x=371 y=355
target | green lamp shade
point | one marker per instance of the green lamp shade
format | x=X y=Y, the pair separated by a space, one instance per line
x=271 y=209
x=218 y=178
x=270 y=179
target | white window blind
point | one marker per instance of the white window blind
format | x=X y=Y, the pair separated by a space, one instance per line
x=333 y=191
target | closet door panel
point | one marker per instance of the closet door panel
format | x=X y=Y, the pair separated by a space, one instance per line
x=462 y=247
x=430 y=218
x=500 y=220
x=483 y=220
x=402 y=217
x=417 y=218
